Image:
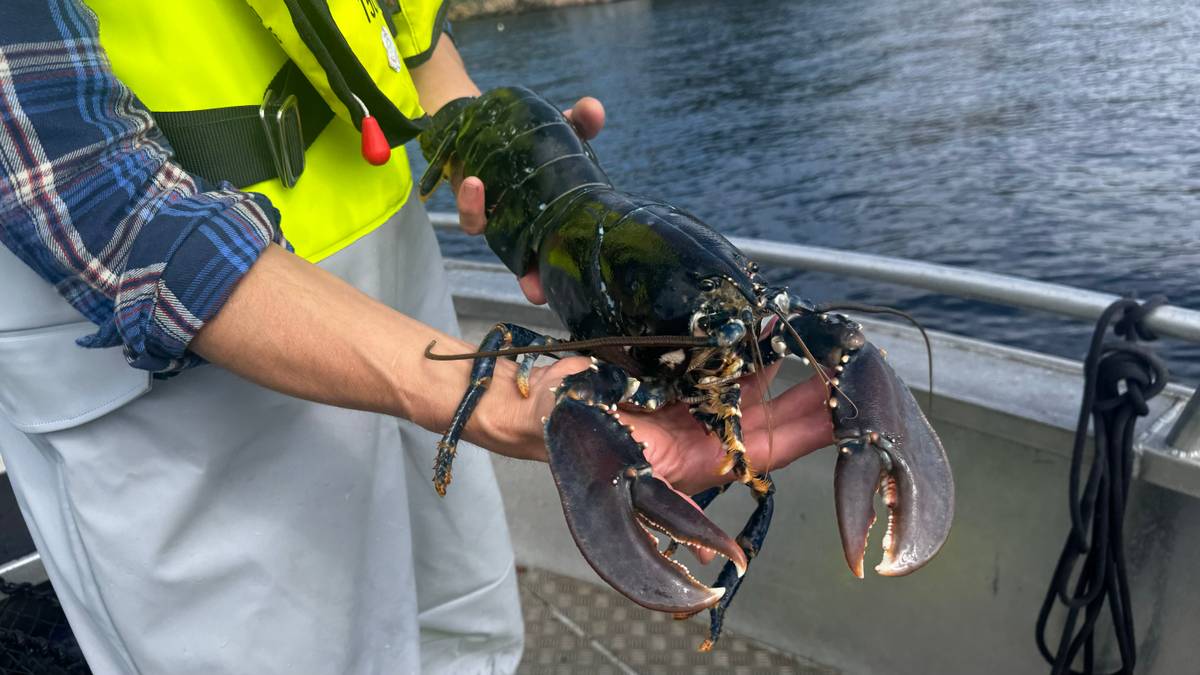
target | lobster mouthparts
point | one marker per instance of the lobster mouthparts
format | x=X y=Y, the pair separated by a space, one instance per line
x=611 y=501
x=886 y=445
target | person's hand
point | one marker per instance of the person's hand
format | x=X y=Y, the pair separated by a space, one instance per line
x=681 y=450
x=587 y=116
x=678 y=447
x=775 y=434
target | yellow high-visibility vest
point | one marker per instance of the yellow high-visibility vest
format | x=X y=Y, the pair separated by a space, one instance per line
x=204 y=54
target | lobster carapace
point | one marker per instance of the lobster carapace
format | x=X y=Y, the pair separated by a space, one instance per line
x=615 y=264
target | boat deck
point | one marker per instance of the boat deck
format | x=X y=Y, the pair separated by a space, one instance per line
x=572 y=626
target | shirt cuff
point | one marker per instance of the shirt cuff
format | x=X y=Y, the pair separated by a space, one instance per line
x=173 y=285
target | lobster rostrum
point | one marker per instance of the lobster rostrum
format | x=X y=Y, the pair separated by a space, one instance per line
x=671 y=312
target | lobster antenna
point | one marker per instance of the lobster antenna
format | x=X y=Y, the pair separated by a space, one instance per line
x=576 y=345
x=817 y=365
x=876 y=309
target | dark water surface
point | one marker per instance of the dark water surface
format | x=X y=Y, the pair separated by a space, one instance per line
x=1054 y=140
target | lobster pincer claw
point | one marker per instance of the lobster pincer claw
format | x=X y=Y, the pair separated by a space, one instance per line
x=612 y=501
x=886 y=445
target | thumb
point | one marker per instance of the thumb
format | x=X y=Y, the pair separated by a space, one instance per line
x=531 y=286
x=470 y=202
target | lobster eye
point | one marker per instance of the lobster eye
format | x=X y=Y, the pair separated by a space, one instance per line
x=708 y=284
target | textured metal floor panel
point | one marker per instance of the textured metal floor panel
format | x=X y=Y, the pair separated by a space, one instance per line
x=576 y=627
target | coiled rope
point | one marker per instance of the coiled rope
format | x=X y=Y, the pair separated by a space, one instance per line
x=1120 y=376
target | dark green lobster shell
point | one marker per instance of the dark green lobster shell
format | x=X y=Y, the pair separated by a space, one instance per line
x=611 y=263
x=617 y=265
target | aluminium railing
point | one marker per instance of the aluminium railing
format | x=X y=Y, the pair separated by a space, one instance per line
x=1001 y=289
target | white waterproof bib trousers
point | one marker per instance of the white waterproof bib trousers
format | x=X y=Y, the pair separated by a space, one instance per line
x=203 y=524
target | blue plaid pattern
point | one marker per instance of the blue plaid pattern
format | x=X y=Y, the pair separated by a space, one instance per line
x=90 y=199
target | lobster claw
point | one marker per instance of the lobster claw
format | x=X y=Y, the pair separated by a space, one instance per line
x=611 y=502
x=886 y=445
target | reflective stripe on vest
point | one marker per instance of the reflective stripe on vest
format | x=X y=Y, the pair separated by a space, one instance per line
x=217 y=53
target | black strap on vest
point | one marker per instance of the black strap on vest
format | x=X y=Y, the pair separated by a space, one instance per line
x=231 y=143
x=348 y=79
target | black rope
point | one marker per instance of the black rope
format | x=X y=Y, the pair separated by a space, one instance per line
x=1120 y=376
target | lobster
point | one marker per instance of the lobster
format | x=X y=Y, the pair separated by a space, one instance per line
x=671 y=312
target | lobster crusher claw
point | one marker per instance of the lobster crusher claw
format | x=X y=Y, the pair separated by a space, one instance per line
x=889 y=448
x=613 y=503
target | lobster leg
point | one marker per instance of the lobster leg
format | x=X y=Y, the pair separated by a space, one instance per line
x=612 y=500
x=751 y=539
x=501 y=336
x=885 y=445
x=720 y=411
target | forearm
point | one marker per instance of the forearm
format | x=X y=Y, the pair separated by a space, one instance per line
x=442 y=78
x=295 y=328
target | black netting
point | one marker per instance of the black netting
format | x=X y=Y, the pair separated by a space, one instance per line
x=34 y=636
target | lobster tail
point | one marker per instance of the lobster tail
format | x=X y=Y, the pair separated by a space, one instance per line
x=526 y=153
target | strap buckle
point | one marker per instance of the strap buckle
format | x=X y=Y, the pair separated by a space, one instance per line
x=285 y=139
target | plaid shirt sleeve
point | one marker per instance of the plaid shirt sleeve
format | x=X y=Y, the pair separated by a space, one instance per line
x=90 y=199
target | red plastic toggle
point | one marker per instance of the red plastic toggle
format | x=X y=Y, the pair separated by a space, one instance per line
x=375 y=148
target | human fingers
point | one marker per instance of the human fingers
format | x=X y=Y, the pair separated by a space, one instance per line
x=799 y=423
x=679 y=448
x=803 y=399
x=543 y=381
x=531 y=286
x=587 y=116
x=469 y=197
